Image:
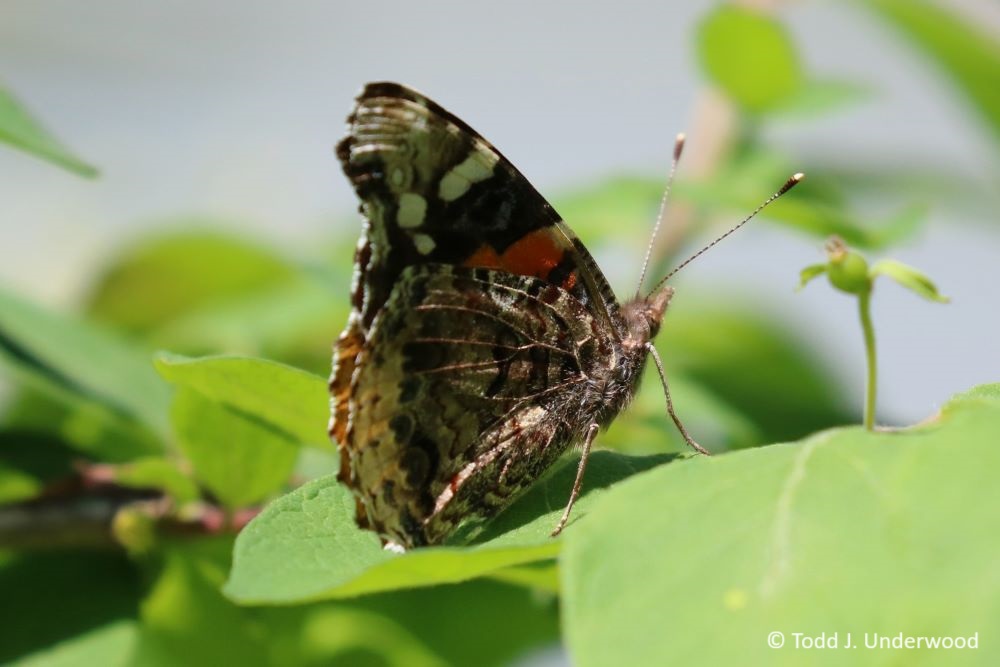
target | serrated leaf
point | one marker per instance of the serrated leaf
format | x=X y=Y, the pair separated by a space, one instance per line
x=305 y=546
x=241 y=460
x=290 y=399
x=71 y=360
x=967 y=52
x=750 y=56
x=19 y=129
x=848 y=531
x=908 y=277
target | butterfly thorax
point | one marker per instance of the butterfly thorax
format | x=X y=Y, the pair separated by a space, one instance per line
x=641 y=318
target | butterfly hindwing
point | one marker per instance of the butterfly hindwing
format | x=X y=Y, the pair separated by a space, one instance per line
x=464 y=373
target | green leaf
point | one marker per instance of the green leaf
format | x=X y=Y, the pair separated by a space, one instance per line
x=158 y=280
x=110 y=644
x=240 y=459
x=750 y=56
x=29 y=461
x=816 y=206
x=528 y=619
x=749 y=358
x=538 y=576
x=908 y=277
x=989 y=392
x=305 y=546
x=16 y=485
x=610 y=209
x=646 y=428
x=75 y=361
x=157 y=473
x=820 y=96
x=187 y=621
x=295 y=323
x=810 y=272
x=967 y=52
x=53 y=596
x=92 y=429
x=19 y=129
x=289 y=399
x=847 y=531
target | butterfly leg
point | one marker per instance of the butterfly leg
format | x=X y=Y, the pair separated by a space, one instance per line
x=578 y=482
x=670 y=404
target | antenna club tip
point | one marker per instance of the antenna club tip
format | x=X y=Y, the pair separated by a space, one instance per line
x=791 y=183
x=679 y=145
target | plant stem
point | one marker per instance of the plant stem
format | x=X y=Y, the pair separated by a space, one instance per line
x=79 y=512
x=864 y=309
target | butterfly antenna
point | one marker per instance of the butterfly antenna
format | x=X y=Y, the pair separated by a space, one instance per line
x=789 y=184
x=678 y=147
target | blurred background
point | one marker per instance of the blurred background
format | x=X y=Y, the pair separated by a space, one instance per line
x=227 y=112
x=219 y=221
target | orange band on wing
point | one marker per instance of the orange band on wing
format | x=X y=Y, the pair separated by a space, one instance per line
x=485 y=257
x=536 y=254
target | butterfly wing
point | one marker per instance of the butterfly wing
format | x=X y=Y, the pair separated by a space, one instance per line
x=432 y=190
x=466 y=374
x=437 y=200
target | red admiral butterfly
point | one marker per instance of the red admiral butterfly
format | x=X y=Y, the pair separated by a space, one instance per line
x=483 y=339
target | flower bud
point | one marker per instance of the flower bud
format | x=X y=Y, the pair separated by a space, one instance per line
x=847 y=270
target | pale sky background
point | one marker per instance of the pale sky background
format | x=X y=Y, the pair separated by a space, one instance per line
x=230 y=109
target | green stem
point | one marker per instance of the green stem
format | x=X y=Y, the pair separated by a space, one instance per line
x=864 y=308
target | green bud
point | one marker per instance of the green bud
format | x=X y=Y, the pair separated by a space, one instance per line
x=846 y=270
x=134 y=530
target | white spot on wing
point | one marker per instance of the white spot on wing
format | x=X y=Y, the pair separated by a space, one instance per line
x=478 y=166
x=425 y=244
x=412 y=208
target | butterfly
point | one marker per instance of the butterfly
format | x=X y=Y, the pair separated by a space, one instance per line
x=483 y=339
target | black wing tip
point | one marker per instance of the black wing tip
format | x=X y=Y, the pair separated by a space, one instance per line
x=387 y=89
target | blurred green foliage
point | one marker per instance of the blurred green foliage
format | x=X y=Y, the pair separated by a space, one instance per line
x=750 y=55
x=107 y=436
x=19 y=128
